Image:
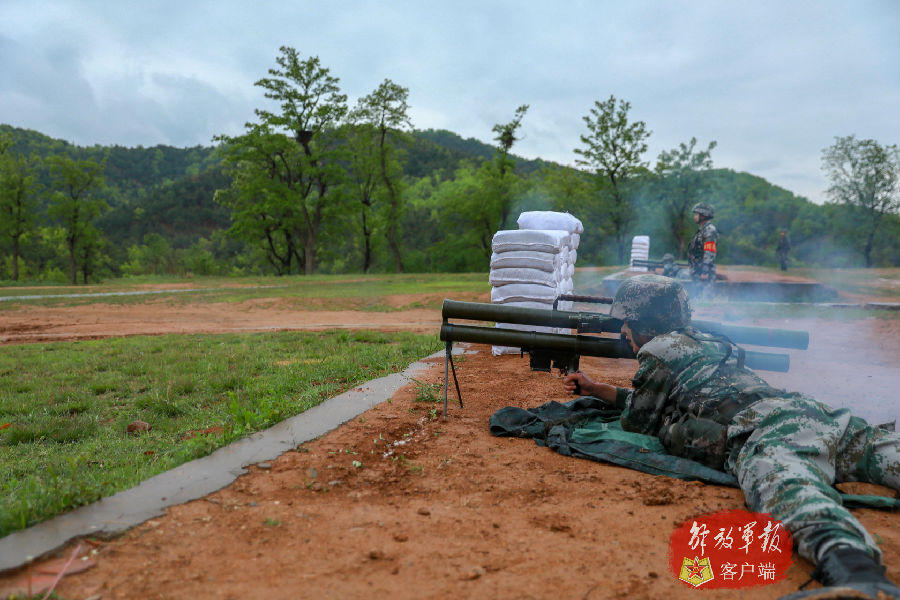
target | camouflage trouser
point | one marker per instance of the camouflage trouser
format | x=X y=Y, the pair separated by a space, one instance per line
x=700 y=269
x=788 y=452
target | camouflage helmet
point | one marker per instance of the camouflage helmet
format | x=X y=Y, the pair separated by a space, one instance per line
x=704 y=210
x=652 y=304
x=668 y=257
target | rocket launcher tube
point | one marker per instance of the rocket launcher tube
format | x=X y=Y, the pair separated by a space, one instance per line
x=561 y=351
x=654 y=264
x=590 y=322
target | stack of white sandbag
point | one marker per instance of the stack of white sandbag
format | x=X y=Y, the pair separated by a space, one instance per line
x=640 y=250
x=534 y=264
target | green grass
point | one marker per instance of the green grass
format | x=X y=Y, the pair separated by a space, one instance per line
x=315 y=292
x=65 y=407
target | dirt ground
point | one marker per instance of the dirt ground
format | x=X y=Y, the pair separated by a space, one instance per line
x=400 y=503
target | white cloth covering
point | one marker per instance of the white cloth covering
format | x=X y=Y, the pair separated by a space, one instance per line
x=553 y=241
x=545 y=219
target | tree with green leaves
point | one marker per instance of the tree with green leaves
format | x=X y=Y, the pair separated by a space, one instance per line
x=285 y=166
x=680 y=184
x=505 y=138
x=90 y=253
x=612 y=151
x=571 y=190
x=363 y=179
x=18 y=200
x=864 y=175
x=462 y=210
x=477 y=201
x=262 y=196
x=381 y=122
x=75 y=205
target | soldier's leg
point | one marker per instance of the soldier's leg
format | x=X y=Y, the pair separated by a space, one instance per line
x=869 y=454
x=786 y=467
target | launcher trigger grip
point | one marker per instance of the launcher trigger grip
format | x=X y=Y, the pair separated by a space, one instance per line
x=577 y=390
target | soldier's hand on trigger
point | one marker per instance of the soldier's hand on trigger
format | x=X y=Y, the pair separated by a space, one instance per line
x=577 y=384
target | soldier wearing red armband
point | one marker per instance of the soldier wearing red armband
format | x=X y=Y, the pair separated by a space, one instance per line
x=702 y=249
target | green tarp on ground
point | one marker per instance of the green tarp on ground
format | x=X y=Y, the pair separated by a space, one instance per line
x=588 y=428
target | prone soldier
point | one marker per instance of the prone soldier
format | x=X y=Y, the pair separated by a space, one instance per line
x=786 y=450
x=670 y=269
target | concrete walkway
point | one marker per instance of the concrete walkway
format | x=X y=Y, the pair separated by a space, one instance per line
x=200 y=477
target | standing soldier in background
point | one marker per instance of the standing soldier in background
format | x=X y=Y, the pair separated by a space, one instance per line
x=784 y=246
x=702 y=249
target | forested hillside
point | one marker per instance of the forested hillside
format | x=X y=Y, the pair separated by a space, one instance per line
x=157 y=211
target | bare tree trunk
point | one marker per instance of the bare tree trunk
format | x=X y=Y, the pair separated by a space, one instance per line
x=73 y=266
x=867 y=251
x=16 y=259
x=367 y=243
x=309 y=249
x=392 y=217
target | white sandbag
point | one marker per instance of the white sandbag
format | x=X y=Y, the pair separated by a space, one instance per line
x=498 y=350
x=526 y=304
x=574 y=241
x=573 y=256
x=521 y=327
x=561 y=305
x=523 y=292
x=640 y=250
x=543 y=240
x=545 y=219
x=499 y=277
x=527 y=259
x=570 y=272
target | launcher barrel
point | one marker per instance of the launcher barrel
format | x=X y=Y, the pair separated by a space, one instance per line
x=558 y=345
x=591 y=322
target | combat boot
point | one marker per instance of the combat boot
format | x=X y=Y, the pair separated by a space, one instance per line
x=849 y=573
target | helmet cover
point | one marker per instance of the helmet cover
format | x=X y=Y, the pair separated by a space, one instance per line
x=652 y=304
x=704 y=210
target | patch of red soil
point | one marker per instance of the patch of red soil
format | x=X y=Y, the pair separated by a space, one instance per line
x=400 y=503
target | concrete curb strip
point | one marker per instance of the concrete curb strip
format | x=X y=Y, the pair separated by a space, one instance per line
x=202 y=476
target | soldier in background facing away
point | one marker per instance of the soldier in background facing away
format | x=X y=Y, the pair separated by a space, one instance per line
x=784 y=246
x=702 y=249
x=786 y=450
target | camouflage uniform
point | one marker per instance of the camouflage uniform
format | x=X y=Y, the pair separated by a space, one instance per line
x=784 y=246
x=670 y=269
x=702 y=252
x=785 y=449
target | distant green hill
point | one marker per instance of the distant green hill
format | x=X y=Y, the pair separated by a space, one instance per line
x=169 y=191
x=454 y=148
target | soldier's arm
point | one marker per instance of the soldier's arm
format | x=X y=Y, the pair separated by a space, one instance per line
x=710 y=240
x=645 y=404
x=580 y=384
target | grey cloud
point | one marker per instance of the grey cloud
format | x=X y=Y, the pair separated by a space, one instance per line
x=772 y=82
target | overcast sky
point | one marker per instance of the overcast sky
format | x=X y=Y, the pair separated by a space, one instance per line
x=772 y=81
